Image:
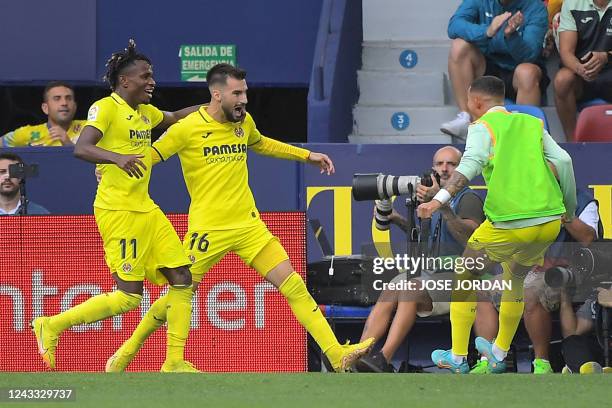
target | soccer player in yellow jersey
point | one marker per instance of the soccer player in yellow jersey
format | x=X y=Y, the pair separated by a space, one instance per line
x=212 y=145
x=60 y=129
x=138 y=238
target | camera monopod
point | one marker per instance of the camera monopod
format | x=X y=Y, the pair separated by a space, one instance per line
x=417 y=237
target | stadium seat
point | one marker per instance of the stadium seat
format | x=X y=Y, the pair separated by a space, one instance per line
x=594 y=124
x=530 y=110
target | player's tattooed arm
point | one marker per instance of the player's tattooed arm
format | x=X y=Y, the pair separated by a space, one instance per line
x=456 y=183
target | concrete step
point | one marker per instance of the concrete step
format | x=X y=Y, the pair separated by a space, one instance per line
x=400 y=120
x=398 y=139
x=406 y=19
x=401 y=88
x=556 y=130
x=393 y=122
x=413 y=56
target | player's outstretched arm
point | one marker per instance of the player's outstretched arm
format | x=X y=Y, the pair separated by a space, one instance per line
x=323 y=161
x=170 y=118
x=86 y=149
x=456 y=183
x=273 y=148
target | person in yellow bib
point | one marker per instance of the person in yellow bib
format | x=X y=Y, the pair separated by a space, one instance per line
x=60 y=129
x=138 y=238
x=212 y=145
x=524 y=206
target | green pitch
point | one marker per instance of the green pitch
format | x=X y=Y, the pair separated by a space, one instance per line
x=310 y=390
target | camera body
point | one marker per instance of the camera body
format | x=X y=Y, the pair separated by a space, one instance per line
x=22 y=170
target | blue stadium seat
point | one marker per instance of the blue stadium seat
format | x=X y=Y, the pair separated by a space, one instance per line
x=530 y=110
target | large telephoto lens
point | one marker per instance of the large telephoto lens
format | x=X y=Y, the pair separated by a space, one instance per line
x=558 y=277
x=365 y=187
x=381 y=186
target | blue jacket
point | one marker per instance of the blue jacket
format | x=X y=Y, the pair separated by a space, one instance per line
x=36 y=209
x=33 y=209
x=441 y=241
x=473 y=17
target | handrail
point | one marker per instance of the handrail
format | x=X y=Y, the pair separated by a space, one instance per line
x=318 y=75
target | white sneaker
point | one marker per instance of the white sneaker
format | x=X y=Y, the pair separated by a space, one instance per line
x=457 y=127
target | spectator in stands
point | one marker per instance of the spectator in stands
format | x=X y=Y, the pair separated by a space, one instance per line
x=60 y=130
x=501 y=38
x=585 y=43
x=450 y=230
x=540 y=299
x=10 y=190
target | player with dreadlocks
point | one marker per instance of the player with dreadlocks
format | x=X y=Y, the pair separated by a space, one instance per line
x=138 y=238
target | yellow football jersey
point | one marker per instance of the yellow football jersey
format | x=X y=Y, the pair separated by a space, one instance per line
x=214 y=161
x=38 y=135
x=125 y=131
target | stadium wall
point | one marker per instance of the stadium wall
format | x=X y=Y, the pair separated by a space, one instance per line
x=72 y=39
x=67 y=185
x=333 y=81
x=348 y=223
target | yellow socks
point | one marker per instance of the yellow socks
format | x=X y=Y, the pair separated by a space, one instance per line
x=308 y=313
x=178 y=310
x=462 y=314
x=153 y=320
x=96 y=308
x=511 y=309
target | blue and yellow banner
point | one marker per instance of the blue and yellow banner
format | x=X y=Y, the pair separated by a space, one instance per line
x=348 y=223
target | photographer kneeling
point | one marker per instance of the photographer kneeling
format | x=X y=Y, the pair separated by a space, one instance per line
x=580 y=347
x=541 y=299
x=450 y=229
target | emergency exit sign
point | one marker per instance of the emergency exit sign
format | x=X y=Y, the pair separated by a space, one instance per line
x=196 y=60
